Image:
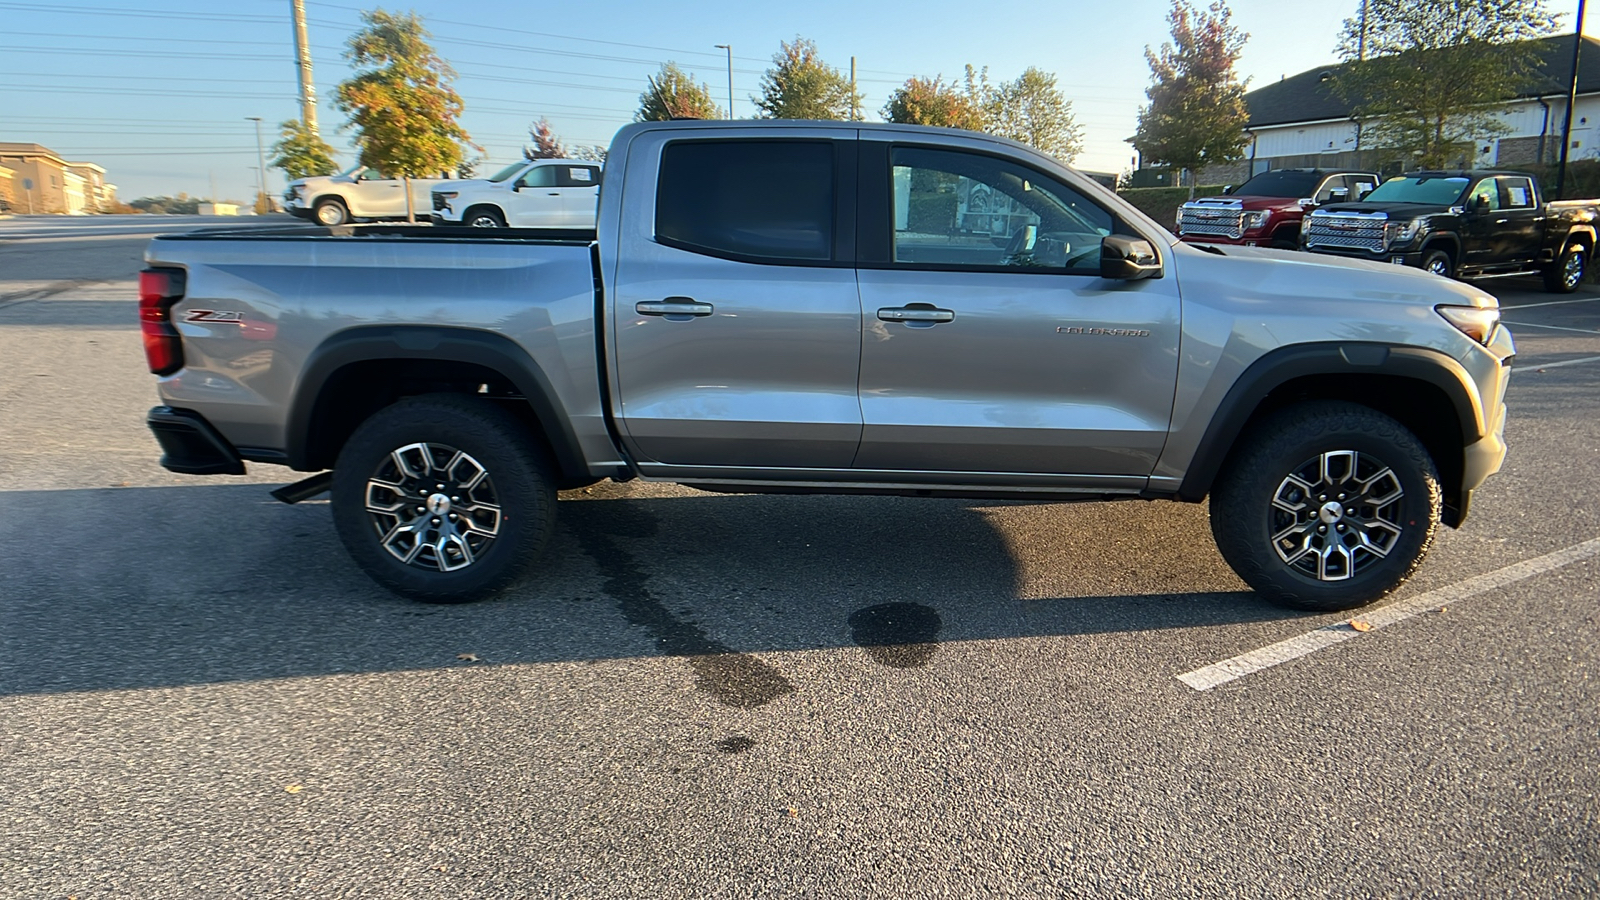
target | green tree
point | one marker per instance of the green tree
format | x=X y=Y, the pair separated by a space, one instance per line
x=674 y=94
x=930 y=101
x=1197 y=114
x=545 y=143
x=1436 y=72
x=301 y=153
x=401 y=104
x=1031 y=110
x=799 y=85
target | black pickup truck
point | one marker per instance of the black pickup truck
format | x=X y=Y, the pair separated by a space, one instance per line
x=1462 y=224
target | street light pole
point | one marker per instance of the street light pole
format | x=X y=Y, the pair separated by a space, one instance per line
x=261 y=161
x=729 y=48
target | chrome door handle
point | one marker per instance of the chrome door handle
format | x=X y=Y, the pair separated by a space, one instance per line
x=672 y=307
x=916 y=314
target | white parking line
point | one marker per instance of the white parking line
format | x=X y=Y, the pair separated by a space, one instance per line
x=1276 y=654
x=1548 y=303
x=1551 y=327
x=1556 y=365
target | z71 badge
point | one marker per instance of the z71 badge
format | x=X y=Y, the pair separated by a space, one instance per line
x=215 y=315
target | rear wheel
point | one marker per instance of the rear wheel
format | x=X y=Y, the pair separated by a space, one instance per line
x=1568 y=272
x=443 y=498
x=1328 y=506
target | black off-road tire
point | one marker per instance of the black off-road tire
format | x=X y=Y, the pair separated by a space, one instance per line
x=330 y=211
x=484 y=217
x=1439 y=262
x=1249 y=506
x=1567 y=273
x=452 y=563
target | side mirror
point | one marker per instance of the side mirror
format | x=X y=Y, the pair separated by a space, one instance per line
x=1227 y=189
x=1128 y=258
x=1338 y=195
x=1480 y=204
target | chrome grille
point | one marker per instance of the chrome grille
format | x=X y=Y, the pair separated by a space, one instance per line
x=1351 y=231
x=1224 y=219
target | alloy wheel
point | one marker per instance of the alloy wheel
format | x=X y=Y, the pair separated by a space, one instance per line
x=1336 y=514
x=1572 y=269
x=433 y=506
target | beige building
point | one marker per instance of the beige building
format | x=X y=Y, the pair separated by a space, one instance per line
x=8 y=194
x=42 y=182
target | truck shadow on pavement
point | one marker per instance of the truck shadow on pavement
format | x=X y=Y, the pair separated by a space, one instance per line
x=172 y=586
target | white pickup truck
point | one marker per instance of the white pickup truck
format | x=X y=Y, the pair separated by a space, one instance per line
x=359 y=193
x=540 y=193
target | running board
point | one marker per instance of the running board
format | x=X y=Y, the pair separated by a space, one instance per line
x=305 y=488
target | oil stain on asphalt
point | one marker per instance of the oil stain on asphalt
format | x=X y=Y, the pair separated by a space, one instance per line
x=899 y=635
x=728 y=676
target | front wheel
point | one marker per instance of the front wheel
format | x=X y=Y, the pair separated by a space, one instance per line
x=1328 y=506
x=1439 y=263
x=443 y=498
x=330 y=211
x=1567 y=273
x=484 y=217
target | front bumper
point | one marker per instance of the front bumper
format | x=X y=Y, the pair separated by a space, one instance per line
x=1249 y=240
x=191 y=445
x=1399 y=257
x=299 y=212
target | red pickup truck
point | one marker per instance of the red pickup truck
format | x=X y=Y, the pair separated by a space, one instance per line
x=1267 y=209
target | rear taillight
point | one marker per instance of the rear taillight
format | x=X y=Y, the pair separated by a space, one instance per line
x=159 y=289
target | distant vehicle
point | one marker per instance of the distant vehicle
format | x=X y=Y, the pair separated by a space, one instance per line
x=360 y=192
x=1463 y=224
x=542 y=193
x=1267 y=209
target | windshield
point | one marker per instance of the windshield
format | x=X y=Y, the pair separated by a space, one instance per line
x=352 y=172
x=1282 y=183
x=508 y=171
x=1437 y=190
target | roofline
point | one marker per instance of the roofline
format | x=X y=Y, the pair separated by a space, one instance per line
x=1520 y=98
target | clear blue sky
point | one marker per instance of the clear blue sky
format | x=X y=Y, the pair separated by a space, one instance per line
x=158 y=92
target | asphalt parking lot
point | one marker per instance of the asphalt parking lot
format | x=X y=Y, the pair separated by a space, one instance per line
x=731 y=696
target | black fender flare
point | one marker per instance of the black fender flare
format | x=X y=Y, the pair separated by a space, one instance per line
x=1332 y=358
x=437 y=343
x=1446 y=240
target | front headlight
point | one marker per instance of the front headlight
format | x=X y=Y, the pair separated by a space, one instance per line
x=448 y=195
x=1476 y=322
x=1405 y=232
x=1255 y=220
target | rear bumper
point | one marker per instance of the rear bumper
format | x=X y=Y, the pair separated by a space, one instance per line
x=190 y=445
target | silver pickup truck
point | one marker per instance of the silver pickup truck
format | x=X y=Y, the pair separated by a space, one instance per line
x=813 y=307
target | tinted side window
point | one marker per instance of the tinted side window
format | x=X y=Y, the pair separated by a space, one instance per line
x=761 y=199
x=543 y=176
x=1516 y=193
x=578 y=176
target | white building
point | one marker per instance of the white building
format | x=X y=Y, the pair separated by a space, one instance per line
x=1299 y=122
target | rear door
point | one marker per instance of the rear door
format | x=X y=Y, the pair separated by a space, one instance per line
x=1520 y=221
x=580 y=192
x=736 y=326
x=992 y=344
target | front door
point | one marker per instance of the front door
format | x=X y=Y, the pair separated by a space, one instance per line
x=1480 y=232
x=991 y=343
x=736 y=322
x=538 y=201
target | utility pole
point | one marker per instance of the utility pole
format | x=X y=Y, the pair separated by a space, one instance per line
x=854 y=113
x=261 y=160
x=302 y=49
x=729 y=48
x=1572 y=98
x=1361 y=42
